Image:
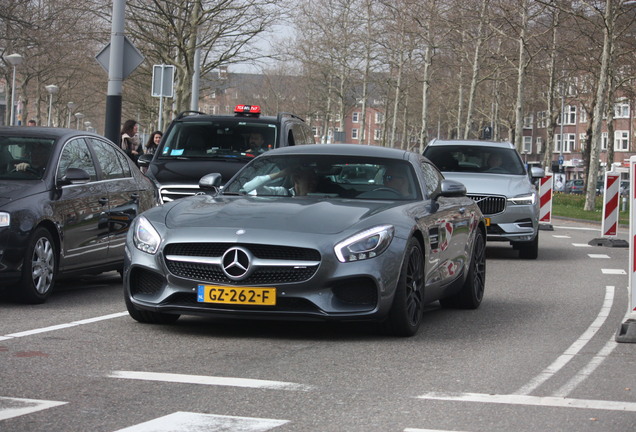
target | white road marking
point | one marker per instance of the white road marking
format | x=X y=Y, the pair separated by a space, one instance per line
x=428 y=430
x=578 y=228
x=188 y=421
x=581 y=245
x=543 y=401
x=569 y=354
x=62 y=326
x=561 y=236
x=614 y=271
x=208 y=380
x=602 y=256
x=587 y=370
x=15 y=407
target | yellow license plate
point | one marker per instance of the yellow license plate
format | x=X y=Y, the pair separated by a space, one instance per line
x=237 y=295
x=487 y=220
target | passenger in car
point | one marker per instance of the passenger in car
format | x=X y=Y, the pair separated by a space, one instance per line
x=397 y=180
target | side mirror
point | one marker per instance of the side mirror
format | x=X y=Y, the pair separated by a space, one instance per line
x=75 y=176
x=536 y=172
x=210 y=182
x=452 y=188
x=144 y=160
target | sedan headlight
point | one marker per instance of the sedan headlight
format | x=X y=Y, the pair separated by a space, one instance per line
x=5 y=219
x=364 y=245
x=145 y=237
x=525 y=199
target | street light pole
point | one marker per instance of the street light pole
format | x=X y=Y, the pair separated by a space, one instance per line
x=52 y=89
x=78 y=116
x=70 y=106
x=14 y=60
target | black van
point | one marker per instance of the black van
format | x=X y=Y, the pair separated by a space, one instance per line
x=196 y=144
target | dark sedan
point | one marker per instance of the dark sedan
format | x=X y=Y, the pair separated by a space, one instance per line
x=67 y=199
x=315 y=232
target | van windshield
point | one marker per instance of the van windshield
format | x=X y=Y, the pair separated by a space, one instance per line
x=218 y=139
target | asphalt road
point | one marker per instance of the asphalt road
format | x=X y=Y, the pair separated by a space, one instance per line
x=539 y=355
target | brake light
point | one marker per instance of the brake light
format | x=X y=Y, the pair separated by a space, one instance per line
x=248 y=110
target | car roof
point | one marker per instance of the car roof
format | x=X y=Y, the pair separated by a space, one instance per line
x=195 y=116
x=44 y=132
x=477 y=143
x=342 y=150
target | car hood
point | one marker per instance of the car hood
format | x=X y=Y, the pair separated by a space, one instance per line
x=12 y=190
x=303 y=215
x=189 y=171
x=492 y=184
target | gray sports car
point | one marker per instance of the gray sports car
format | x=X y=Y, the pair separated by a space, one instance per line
x=317 y=232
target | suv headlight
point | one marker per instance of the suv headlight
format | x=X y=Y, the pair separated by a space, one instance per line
x=5 y=219
x=367 y=244
x=525 y=199
x=145 y=237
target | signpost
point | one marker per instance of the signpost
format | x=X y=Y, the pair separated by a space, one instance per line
x=162 y=86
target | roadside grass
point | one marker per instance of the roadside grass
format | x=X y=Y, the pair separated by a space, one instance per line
x=571 y=206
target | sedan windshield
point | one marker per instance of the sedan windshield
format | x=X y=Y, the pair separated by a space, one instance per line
x=476 y=159
x=24 y=158
x=327 y=176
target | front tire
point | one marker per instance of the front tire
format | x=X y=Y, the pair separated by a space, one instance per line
x=472 y=292
x=406 y=312
x=39 y=269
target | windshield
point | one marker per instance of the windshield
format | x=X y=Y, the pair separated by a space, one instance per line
x=476 y=159
x=327 y=176
x=24 y=158
x=219 y=139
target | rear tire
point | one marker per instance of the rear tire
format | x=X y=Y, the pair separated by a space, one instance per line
x=472 y=292
x=149 y=317
x=39 y=269
x=406 y=312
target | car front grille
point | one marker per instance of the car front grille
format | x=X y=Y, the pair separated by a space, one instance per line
x=276 y=264
x=489 y=204
x=172 y=192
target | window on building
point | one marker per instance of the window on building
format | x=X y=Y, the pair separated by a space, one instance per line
x=527 y=144
x=621 y=110
x=621 y=140
x=604 y=140
x=354 y=133
x=582 y=115
x=355 y=117
x=377 y=134
x=314 y=130
x=379 y=118
x=527 y=122
x=569 y=115
x=557 y=143
x=542 y=119
x=570 y=143
x=539 y=144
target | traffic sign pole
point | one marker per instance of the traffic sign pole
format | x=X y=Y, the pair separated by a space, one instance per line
x=115 y=73
x=627 y=331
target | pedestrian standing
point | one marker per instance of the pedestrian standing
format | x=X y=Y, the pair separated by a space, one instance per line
x=153 y=142
x=129 y=139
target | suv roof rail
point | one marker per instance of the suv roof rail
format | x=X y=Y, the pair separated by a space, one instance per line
x=286 y=114
x=187 y=113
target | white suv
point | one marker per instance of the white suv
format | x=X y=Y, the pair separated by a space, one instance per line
x=497 y=179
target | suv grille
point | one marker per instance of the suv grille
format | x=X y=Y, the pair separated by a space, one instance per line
x=172 y=192
x=275 y=263
x=488 y=204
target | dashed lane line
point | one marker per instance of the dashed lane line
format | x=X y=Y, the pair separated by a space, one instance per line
x=543 y=401
x=209 y=380
x=188 y=421
x=15 y=407
x=613 y=271
x=62 y=326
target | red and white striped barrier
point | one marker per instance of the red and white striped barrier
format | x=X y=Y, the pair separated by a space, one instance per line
x=609 y=225
x=545 y=199
x=627 y=330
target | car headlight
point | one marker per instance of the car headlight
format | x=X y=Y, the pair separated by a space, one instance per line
x=5 y=219
x=367 y=244
x=525 y=199
x=145 y=237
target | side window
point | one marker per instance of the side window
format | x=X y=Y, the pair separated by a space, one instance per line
x=299 y=134
x=432 y=177
x=76 y=155
x=110 y=163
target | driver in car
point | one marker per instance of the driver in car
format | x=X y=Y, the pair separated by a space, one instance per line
x=39 y=158
x=305 y=181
